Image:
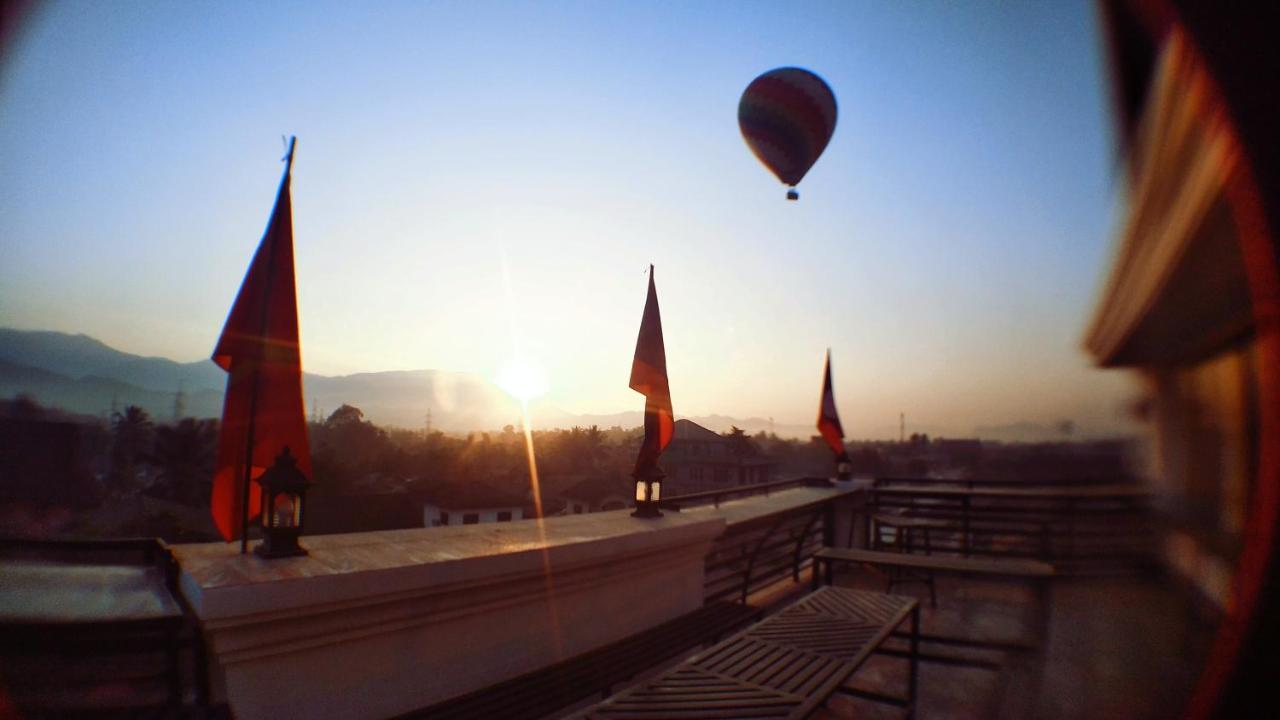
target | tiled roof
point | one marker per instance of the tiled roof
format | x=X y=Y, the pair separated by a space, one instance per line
x=690 y=430
x=471 y=495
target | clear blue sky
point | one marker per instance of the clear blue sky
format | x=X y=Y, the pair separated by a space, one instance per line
x=948 y=246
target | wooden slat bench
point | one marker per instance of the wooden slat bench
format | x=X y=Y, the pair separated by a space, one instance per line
x=1038 y=574
x=543 y=691
x=784 y=667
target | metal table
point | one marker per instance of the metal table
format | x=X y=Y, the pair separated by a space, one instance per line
x=81 y=638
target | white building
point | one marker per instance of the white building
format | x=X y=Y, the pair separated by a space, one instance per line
x=469 y=504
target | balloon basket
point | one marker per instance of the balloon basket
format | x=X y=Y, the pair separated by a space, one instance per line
x=792 y=194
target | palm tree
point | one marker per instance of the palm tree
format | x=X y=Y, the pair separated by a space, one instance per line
x=739 y=444
x=593 y=445
x=131 y=432
x=184 y=454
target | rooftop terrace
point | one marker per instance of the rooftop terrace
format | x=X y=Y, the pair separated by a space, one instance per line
x=384 y=624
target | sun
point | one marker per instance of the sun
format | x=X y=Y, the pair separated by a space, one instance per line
x=522 y=380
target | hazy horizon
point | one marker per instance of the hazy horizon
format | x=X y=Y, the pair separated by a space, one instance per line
x=454 y=405
x=480 y=188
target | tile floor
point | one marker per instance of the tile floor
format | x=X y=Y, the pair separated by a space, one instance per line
x=1119 y=647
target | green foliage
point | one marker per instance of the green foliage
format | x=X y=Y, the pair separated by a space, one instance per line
x=739 y=444
x=132 y=433
x=184 y=455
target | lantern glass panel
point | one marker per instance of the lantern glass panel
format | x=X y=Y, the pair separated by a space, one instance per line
x=639 y=491
x=266 y=516
x=657 y=491
x=286 y=510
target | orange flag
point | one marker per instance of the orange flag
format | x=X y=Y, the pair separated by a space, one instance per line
x=262 y=410
x=828 y=418
x=649 y=378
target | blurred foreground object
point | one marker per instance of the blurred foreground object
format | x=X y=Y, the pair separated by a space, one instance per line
x=97 y=629
x=787 y=116
x=1193 y=305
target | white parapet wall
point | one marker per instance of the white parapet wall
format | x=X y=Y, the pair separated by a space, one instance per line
x=372 y=625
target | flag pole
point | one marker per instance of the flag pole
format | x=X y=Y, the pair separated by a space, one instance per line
x=253 y=395
x=248 y=468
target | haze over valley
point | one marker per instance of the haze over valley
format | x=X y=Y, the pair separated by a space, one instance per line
x=83 y=375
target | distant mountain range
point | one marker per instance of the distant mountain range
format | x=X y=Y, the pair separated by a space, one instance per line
x=81 y=374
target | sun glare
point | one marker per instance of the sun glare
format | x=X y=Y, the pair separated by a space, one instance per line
x=522 y=380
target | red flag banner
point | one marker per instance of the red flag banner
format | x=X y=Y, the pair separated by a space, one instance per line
x=649 y=378
x=262 y=410
x=828 y=419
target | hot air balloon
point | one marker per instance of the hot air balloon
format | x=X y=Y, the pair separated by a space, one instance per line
x=787 y=116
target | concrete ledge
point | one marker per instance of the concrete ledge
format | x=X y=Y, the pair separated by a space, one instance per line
x=370 y=625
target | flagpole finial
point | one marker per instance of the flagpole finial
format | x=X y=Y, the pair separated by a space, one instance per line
x=288 y=156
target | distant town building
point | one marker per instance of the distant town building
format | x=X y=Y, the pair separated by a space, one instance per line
x=699 y=460
x=597 y=494
x=470 y=503
x=956 y=457
x=43 y=462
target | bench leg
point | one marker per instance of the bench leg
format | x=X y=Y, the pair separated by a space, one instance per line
x=912 y=678
x=1044 y=605
x=1045 y=602
x=894 y=573
x=933 y=593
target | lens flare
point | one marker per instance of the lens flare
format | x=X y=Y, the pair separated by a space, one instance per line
x=522 y=380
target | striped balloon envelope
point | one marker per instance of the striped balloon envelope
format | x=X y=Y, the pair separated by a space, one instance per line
x=787 y=116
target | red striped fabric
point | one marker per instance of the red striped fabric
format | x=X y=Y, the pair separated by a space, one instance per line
x=259 y=349
x=649 y=378
x=828 y=419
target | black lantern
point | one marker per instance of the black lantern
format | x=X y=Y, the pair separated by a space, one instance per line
x=648 y=491
x=283 y=487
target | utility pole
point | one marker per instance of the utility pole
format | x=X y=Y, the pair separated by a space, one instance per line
x=428 y=432
x=179 y=403
x=902 y=427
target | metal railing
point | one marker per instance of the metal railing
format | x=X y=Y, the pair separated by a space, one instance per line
x=754 y=554
x=972 y=483
x=1076 y=532
x=715 y=497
